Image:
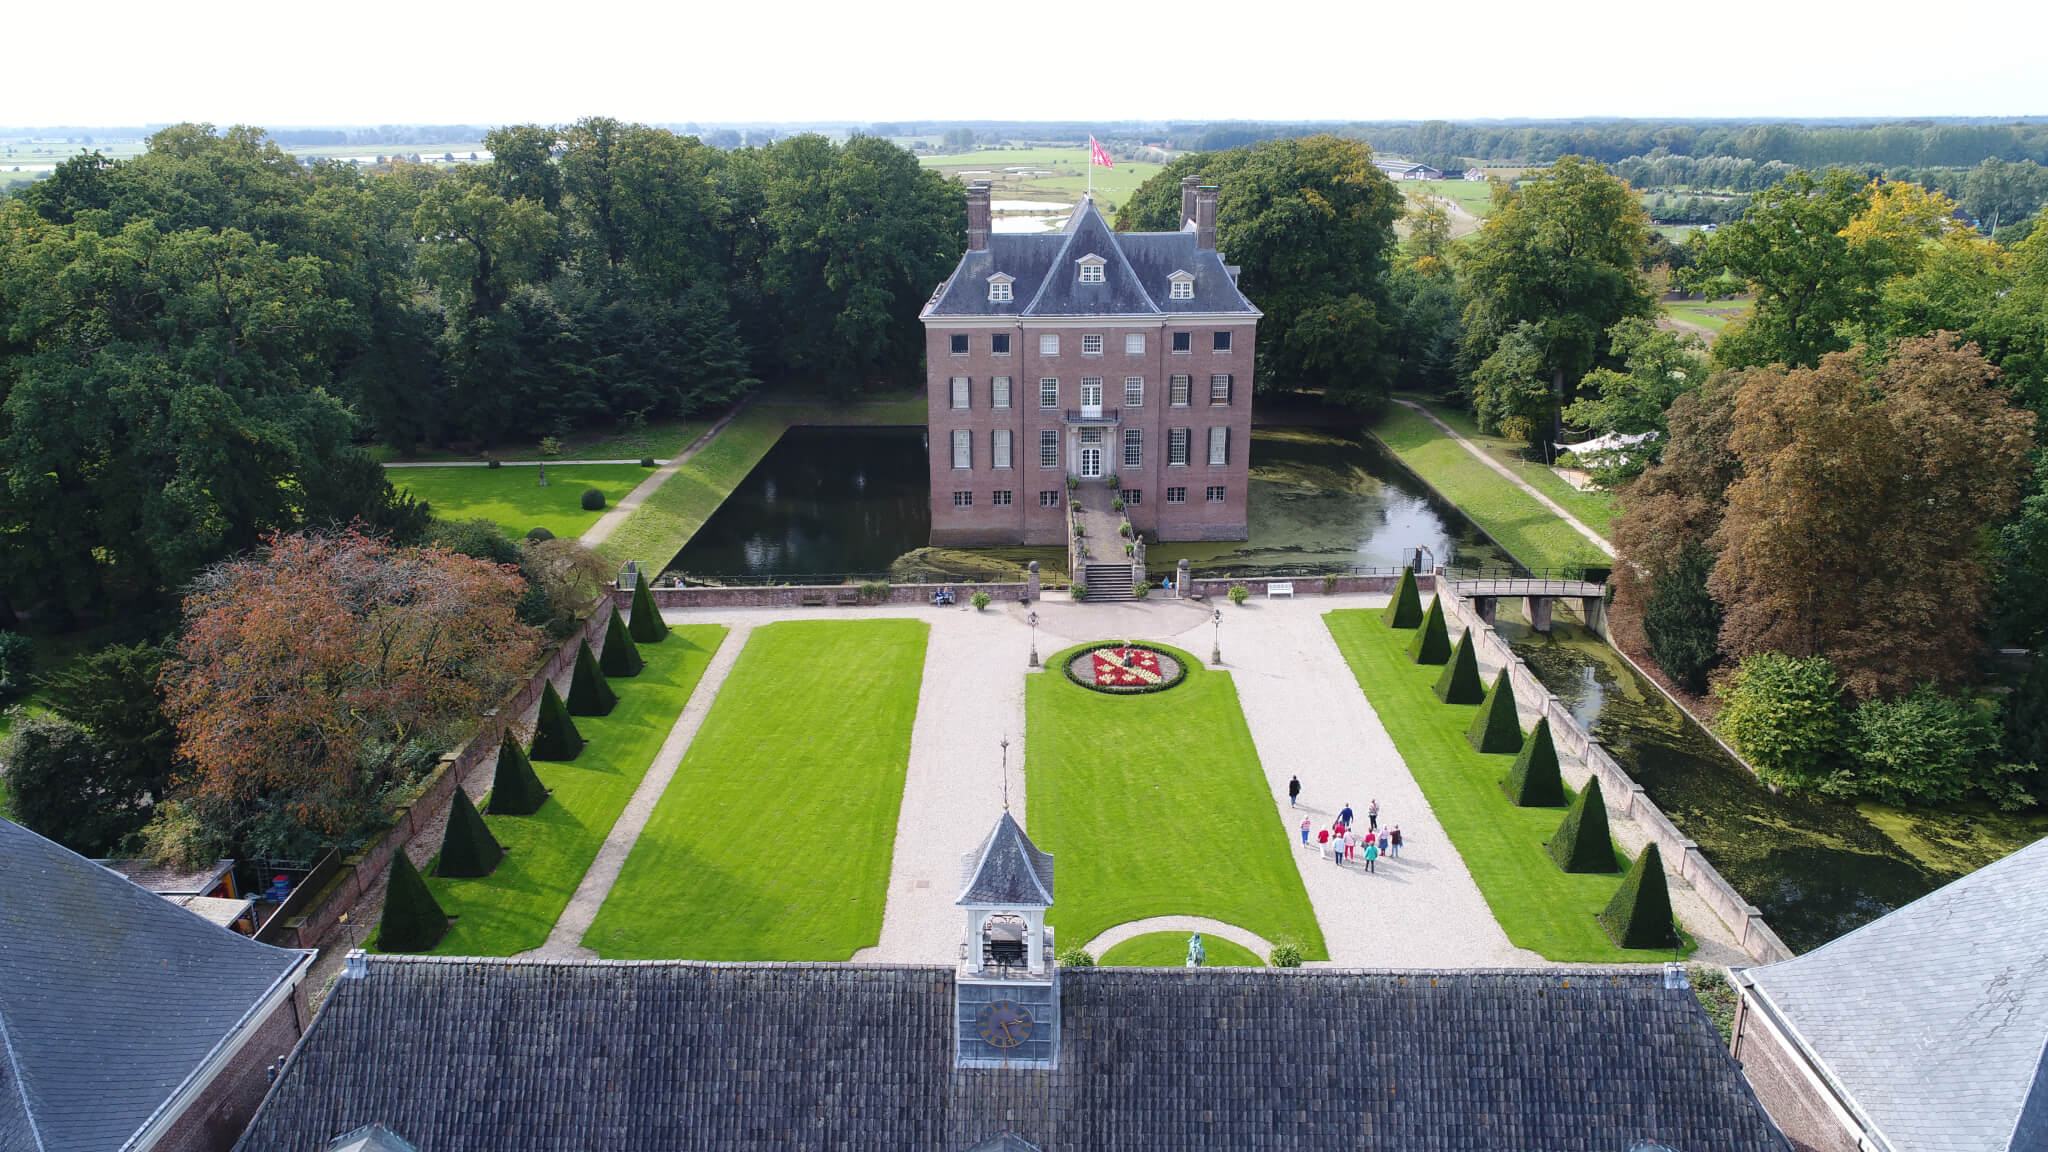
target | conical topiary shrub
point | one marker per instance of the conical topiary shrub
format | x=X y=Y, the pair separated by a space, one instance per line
x=1405 y=610
x=1432 y=642
x=1460 y=682
x=621 y=656
x=589 y=695
x=554 y=735
x=515 y=790
x=1534 y=781
x=467 y=848
x=1582 y=843
x=413 y=920
x=1496 y=728
x=1639 y=916
x=648 y=626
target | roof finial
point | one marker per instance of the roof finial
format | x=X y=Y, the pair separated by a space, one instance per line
x=1006 y=771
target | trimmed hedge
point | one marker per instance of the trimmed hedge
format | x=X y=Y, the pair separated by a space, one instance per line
x=1405 y=609
x=539 y=535
x=1460 y=682
x=1432 y=642
x=554 y=734
x=413 y=920
x=1582 y=843
x=620 y=657
x=515 y=789
x=592 y=499
x=647 y=626
x=589 y=695
x=1639 y=916
x=1497 y=728
x=1534 y=781
x=467 y=847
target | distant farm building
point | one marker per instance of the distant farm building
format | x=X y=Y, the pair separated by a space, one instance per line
x=1401 y=170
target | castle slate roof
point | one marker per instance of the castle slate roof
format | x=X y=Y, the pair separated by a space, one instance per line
x=110 y=998
x=1046 y=280
x=1006 y=869
x=1931 y=1021
x=514 y=1055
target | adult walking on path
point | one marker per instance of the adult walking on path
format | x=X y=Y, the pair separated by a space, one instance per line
x=1293 y=790
x=1555 y=508
x=609 y=523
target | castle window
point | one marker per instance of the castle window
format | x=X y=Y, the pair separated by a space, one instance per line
x=999 y=392
x=1049 y=392
x=1216 y=494
x=1049 y=448
x=999 y=449
x=960 y=391
x=1091 y=345
x=959 y=344
x=1091 y=269
x=1221 y=342
x=1134 y=391
x=1000 y=497
x=1176 y=495
x=999 y=343
x=1176 y=448
x=1181 y=342
x=1219 y=447
x=1181 y=286
x=963 y=448
x=1049 y=345
x=963 y=499
x=999 y=289
x=1049 y=498
x=1134 y=344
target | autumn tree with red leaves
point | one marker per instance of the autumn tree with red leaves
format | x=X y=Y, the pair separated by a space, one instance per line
x=316 y=680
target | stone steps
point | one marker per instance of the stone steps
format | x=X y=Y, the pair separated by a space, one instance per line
x=1108 y=581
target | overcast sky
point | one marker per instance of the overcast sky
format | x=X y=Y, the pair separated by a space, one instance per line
x=429 y=61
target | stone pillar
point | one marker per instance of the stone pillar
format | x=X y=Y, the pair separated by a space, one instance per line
x=1484 y=607
x=1537 y=609
x=1031 y=582
x=1180 y=579
x=1594 y=610
x=977 y=216
x=1188 y=184
x=1205 y=218
x=1034 y=941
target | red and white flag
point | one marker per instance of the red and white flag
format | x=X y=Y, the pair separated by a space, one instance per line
x=1097 y=154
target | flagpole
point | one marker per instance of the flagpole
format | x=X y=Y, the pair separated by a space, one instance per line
x=1091 y=167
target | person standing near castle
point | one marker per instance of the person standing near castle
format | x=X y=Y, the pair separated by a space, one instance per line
x=1293 y=790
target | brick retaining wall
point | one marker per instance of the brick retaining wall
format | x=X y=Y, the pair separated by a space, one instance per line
x=1218 y=588
x=1624 y=797
x=794 y=595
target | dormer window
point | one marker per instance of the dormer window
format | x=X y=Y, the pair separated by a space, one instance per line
x=1091 y=269
x=1181 y=286
x=999 y=288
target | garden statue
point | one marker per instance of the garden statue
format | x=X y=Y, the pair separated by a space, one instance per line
x=1195 y=952
x=543 y=474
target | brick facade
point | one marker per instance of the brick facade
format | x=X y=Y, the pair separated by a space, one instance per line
x=215 y=1120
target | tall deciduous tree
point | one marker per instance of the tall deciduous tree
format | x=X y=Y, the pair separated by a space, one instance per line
x=1556 y=266
x=313 y=677
x=1655 y=368
x=1855 y=531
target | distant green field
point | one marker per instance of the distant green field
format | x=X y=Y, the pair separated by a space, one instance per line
x=1713 y=315
x=512 y=496
x=1474 y=196
x=1068 y=168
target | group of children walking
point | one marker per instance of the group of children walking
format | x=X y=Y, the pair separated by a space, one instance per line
x=1343 y=840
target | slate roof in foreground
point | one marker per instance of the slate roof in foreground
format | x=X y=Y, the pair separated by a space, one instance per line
x=110 y=997
x=1932 y=1019
x=457 y=1055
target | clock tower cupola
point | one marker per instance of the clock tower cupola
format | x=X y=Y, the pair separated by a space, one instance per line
x=1006 y=994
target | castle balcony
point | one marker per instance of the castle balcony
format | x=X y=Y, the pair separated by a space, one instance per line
x=1096 y=416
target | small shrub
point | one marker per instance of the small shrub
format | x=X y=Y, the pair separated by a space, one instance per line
x=17 y=660
x=1710 y=986
x=1405 y=610
x=1534 y=781
x=1073 y=482
x=1431 y=643
x=1076 y=958
x=1143 y=589
x=1330 y=584
x=551 y=446
x=875 y=591
x=1074 y=505
x=1496 y=728
x=592 y=499
x=515 y=789
x=1239 y=593
x=468 y=849
x=554 y=734
x=1113 y=480
x=495 y=464
x=589 y=695
x=647 y=461
x=1130 y=549
x=539 y=535
x=1117 y=505
x=646 y=624
x=1285 y=956
x=1785 y=716
x=1080 y=530
x=1079 y=591
x=413 y=920
x=621 y=655
x=1639 y=916
x=980 y=600
x=1582 y=842
x=1923 y=749
x=1460 y=683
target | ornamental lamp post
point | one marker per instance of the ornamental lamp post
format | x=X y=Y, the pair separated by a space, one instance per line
x=1216 y=639
x=1033 y=621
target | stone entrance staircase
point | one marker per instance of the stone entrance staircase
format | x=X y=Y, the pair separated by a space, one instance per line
x=1108 y=573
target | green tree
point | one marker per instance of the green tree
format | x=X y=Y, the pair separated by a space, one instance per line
x=65 y=784
x=1785 y=716
x=1928 y=748
x=1557 y=264
x=1655 y=368
x=1682 y=621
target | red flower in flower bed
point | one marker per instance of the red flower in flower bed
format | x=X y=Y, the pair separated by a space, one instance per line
x=1119 y=668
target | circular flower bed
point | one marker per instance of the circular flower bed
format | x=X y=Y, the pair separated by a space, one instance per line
x=1125 y=669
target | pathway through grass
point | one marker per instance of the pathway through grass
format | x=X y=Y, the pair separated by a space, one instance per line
x=773 y=841
x=1156 y=805
x=1595 y=509
x=1530 y=532
x=1539 y=907
x=1170 y=950
x=513 y=908
x=512 y=495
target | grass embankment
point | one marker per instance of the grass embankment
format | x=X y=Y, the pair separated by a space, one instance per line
x=774 y=840
x=1156 y=806
x=666 y=520
x=1170 y=950
x=547 y=853
x=1530 y=532
x=513 y=498
x=659 y=439
x=1713 y=315
x=1595 y=509
x=1540 y=908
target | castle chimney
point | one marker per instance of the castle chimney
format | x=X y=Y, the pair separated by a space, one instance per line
x=1205 y=218
x=1187 y=199
x=977 y=216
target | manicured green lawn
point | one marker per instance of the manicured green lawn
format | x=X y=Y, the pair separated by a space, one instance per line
x=1594 y=509
x=659 y=439
x=1156 y=805
x=1529 y=531
x=774 y=840
x=1170 y=950
x=1713 y=315
x=512 y=496
x=1540 y=907
x=515 y=907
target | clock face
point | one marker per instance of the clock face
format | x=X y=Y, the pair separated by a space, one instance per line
x=1004 y=1024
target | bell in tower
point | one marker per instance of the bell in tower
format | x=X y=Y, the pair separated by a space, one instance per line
x=1006 y=994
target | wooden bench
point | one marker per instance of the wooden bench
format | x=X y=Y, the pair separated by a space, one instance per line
x=1279 y=588
x=814 y=599
x=849 y=596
